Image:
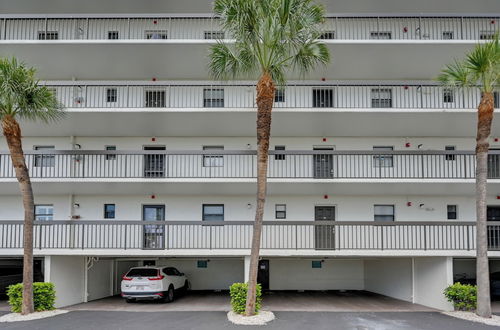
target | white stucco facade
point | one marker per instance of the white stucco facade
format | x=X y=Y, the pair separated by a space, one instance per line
x=373 y=149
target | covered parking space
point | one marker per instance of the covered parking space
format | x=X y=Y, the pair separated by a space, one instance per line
x=290 y=283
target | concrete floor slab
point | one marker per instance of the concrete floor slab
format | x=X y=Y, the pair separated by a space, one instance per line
x=313 y=301
x=104 y=320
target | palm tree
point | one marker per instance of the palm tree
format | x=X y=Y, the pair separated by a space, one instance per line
x=22 y=98
x=479 y=70
x=271 y=38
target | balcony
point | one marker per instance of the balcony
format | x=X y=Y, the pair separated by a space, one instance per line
x=218 y=96
x=321 y=236
x=205 y=28
x=215 y=164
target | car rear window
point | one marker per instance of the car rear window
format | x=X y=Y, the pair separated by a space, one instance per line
x=142 y=272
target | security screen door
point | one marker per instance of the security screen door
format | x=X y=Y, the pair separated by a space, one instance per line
x=324 y=234
x=323 y=164
x=154 y=165
x=153 y=235
x=494 y=166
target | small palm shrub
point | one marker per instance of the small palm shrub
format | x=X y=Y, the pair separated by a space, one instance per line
x=44 y=296
x=238 y=293
x=463 y=296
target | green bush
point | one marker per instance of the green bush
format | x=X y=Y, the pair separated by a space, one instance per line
x=238 y=292
x=463 y=296
x=44 y=296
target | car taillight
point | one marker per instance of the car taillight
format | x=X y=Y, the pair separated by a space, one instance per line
x=161 y=277
x=125 y=278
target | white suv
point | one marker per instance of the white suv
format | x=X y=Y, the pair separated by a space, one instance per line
x=153 y=283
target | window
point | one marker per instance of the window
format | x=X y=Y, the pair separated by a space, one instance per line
x=380 y=35
x=327 y=35
x=486 y=35
x=44 y=212
x=316 y=264
x=381 y=97
x=322 y=98
x=280 y=210
x=155 y=99
x=156 y=34
x=452 y=212
x=448 y=95
x=44 y=160
x=279 y=95
x=109 y=211
x=450 y=148
x=111 y=95
x=448 y=35
x=214 y=35
x=279 y=157
x=213 y=212
x=384 y=212
x=213 y=160
x=53 y=90
x=496 y=99
x=110 y=157
x=48 y=35
x=213 y=97
x=202 y=264
x=143 y=272
x=113 y=35
x=383 y=160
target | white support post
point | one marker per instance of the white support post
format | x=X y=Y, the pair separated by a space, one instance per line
x=247 y=268
x=46 y=269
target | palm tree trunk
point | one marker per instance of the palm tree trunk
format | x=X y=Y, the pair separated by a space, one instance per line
x=265 y=99
x=485 y=117
x=12 y=133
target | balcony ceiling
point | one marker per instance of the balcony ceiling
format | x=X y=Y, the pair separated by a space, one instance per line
x=460 y=188
x=303 y=123
x=169 y=61
x=204 y=6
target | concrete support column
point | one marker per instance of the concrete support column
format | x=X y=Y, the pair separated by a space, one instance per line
x=246 y=268
x=431 y=275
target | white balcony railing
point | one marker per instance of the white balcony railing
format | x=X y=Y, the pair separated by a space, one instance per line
x=276 y=235
x=219 y=95
x=234 y=164
x=204 y=27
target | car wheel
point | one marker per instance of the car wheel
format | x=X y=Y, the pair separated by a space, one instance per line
x=170 y=294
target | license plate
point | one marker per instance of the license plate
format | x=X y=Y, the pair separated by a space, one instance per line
x=139 y=287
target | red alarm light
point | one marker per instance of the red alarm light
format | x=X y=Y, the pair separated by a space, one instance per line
x=325 y=196
x=496 y=139
x=323 y=79
x=498 y=197
x=324 y=140
x=408 y=204
x=153 y=139
x=153 y=196
x=406 y=87
x=153 y=79
x=407 y=144
x=155 y=22
x=492 y=22
x=405 y=29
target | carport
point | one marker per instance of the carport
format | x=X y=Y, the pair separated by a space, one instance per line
x=317 y=301
x=292 y=283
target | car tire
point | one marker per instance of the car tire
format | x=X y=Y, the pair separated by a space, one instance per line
x=170 y=294
x=185 y=288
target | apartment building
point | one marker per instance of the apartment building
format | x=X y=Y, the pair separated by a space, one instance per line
x=371 y=173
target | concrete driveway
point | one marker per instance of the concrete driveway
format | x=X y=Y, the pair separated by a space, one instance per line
x=84 y=320
x=329 y=301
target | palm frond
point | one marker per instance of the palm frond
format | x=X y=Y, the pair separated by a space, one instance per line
x=273 y=36
x=21 y=95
